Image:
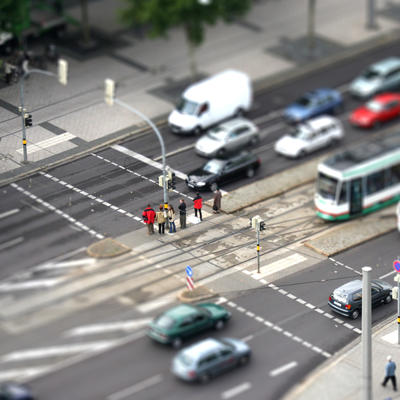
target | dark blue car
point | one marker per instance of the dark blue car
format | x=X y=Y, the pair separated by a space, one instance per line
x=15 y=391
x=314 y=103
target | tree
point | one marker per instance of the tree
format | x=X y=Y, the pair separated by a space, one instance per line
x=14 y=16
x=159 y=16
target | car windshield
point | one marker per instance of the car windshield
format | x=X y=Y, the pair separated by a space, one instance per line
x=214 y=166
x=187 y=107
x=374 y=106
x=326 y=186
x=303 y=101
x=370 y=74
x=164 y=321
x=184 y=358
x=218 y=134
x=226 y=343
x=301 y=132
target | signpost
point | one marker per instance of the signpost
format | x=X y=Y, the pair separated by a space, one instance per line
x=189 y=280
x=396 y=266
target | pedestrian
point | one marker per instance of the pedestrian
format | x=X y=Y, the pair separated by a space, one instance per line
x=389 y=373
x=217 y=201
x=148 y=218
x=182 y=213
x=8 y=71
x=160 y=218
x=198 y=204
x=171 y=219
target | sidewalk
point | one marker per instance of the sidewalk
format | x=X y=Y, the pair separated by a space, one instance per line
x=341 y=377
x=73 y=120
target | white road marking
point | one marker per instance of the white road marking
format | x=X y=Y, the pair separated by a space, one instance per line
x=145 y=159
x=32 y=148
x=221 y=300
x=228 y=394
x=13 y=374
x=11 y=243
x=45 y=352
x=180 y=150
x=388 y=274
x=138 y=387
x=29 y=285
x=247 y=338
x=283 y=368
x=51 y=207
x=66 y=264
x=125 y=326
x=391 y=337
x=9 y=212
x=152 y=305
x=358 y=330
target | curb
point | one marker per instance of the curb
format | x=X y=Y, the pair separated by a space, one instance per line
x=107 y=248
x=183 y=295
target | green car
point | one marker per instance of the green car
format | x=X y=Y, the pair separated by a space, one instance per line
x=185 y=320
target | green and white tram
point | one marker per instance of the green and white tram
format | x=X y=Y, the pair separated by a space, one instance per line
x=360 y=180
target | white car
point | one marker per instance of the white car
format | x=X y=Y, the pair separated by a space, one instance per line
x=231 y=136
x=310 y=136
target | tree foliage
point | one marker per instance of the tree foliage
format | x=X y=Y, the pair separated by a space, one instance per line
x=14 y=16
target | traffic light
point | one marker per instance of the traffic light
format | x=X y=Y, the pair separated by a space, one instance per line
x=395 y=293
x=62 y=71
x=169 y=184
x=28 y=119
x=109 y=91
x=262 y=225
x=161 y=181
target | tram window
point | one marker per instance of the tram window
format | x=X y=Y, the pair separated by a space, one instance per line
x=375 y=182
x=395 y=174
x=343 y=193
x=326 y=186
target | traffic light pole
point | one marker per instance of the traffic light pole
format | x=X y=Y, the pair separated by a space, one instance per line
x=21 y=100
x=157 y=132
x=398 y=308
x=258 y=250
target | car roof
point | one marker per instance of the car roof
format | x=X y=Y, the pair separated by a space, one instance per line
x=233 y=157
x=180 y=311
x=319 y=122
x=232 y=123
x=386 y=65
x=203 y=347
x=351 y=286
x=386 y=97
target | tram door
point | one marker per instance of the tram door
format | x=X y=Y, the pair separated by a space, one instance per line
x=356 y=196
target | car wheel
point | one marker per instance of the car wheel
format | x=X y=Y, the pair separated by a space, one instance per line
x=254 y=140
x=219 y=325
x=239 y=112
x=250 y=172
x=197 y=131
x=177 y=343
x=214 y=186
x=244 y=360
x=355 y=314
x=301 y=154
x=204 y=378
x=388 y=299
x=221 y=153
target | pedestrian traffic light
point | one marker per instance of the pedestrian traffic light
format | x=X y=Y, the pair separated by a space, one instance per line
x=62 y=71
x=109 y=91
x=161 y=181
x=254 y=221
x=395 y=293
x=169 y=184
x=173 y=180
x=262 y=225
x=28 y=119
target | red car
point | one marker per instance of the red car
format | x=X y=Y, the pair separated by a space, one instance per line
x=381 y=108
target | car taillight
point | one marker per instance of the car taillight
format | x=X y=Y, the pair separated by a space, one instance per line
x=330 y=298
x=348 y=306
x=192 y=374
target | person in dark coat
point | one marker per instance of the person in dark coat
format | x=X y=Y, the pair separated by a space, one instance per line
x=217 y=201
x=148 y=218
x=390 y=369
x=198 y=205
x=182 y=213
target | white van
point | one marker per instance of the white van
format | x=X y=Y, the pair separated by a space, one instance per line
x=210 y=101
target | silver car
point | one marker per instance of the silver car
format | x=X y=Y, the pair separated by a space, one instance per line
x=231 y=136
x=379 y=77
x=210 y=357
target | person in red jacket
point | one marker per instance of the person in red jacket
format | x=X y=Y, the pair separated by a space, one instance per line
x=148 y=218
x=198 y=204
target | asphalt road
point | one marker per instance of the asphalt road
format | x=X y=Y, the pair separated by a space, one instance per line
x=290 y=329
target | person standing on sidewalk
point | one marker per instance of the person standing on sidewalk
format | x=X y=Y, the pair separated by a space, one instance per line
x=160 y=218
x=198 y=204
x=217 y=201
x=148 y=218
x=171 y=218
x=182 y=213
x=389 y=373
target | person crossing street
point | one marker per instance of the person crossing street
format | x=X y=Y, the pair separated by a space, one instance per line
x=198 y=205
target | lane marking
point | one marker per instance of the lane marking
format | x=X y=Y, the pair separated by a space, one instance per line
x=125 y=326
x=228 y=394
x=8 y=213
x=283 y=368
x=388 y=274
x=138 y=387
x=11 y=243
x=247 y=338
x=57 y=351
x=52 y=208
x=152 y=305
x=145 y=159
x=66 y=264
x=33 y=148
x=29 y=285
x=23 y=373
x=174 y=152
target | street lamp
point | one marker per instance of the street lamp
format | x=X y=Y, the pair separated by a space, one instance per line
x=62 y=76
x=110 y=99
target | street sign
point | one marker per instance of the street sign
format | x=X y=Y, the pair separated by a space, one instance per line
x=189 y=283
x=396 y=265
x=189 y=271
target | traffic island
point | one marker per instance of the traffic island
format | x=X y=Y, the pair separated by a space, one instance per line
x=197 y=294
x=107 y=248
